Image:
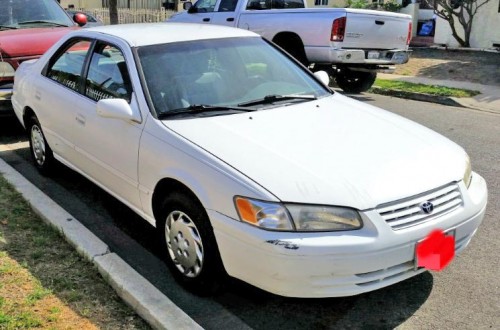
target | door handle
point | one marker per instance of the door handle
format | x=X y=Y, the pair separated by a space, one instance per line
x=230 y=19
x=379 y=22
x=206 y=19
x=80 y=119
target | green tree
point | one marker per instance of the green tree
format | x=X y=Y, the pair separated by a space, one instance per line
x=458 y=11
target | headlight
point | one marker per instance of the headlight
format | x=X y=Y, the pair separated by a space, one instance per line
x=297 y=217
x=468 y=171
x=324 y=218
x=263 y=214
x=6 y=70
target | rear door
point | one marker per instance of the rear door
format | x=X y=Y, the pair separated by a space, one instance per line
x=371 y=30
x=226 y=13
x=57 y=97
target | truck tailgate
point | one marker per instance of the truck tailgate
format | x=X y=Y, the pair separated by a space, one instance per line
x=368 y=29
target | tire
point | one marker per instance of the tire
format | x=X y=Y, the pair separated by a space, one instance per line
x=293 y=46
x=355 y=81
x=42 y=155
x=188 y=245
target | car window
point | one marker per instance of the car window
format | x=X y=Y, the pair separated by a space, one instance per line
x=108 y=74
x=29 y=13
x=67 y=66
x=228 y=5
x=221 y=72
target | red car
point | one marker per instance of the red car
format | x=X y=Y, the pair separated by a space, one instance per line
x=27 y=29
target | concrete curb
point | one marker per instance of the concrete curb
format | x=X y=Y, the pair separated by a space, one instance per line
x=444 y=100
x=147 y=301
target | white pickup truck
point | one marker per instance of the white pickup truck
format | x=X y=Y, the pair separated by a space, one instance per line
x=350 y=44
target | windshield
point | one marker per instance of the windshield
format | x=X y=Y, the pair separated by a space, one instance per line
x=230 y=72
x=28 y=13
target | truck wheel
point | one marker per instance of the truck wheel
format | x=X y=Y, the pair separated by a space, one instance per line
x=292 y=43
x=41 y=153
x=355 y=81
x=188 y=244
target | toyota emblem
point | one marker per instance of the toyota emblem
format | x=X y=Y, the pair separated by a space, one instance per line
x=427 y=207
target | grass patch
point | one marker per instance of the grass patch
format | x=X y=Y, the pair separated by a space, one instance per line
x=423 y=89
x=44 y=283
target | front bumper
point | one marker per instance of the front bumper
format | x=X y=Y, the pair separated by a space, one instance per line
x=5 y=101
x=341 y=263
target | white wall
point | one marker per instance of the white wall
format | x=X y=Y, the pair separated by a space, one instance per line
x=485 y=28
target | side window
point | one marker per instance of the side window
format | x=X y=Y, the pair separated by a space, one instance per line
x=66 y=67
x=108 y=76
x=228 y=5
x=275 y=4
x=205 y=6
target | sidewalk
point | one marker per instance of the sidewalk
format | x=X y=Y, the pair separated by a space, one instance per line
x=488 y=100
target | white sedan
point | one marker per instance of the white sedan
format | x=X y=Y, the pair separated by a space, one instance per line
x=245 y=162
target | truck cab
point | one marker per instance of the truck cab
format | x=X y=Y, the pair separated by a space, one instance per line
x=27 y=29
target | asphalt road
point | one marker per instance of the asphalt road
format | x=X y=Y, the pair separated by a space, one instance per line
x=466 y=295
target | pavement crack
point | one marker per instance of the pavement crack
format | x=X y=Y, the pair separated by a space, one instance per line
x=108 y=251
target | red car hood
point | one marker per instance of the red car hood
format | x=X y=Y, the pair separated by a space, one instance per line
x=30 y=42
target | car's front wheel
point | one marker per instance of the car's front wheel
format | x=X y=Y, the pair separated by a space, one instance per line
x=41 y=153
x=188 y=244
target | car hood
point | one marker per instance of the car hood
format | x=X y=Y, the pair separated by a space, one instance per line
x=333 y=151
x=30 y=41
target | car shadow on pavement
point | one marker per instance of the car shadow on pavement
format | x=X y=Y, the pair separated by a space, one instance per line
x=384 y=308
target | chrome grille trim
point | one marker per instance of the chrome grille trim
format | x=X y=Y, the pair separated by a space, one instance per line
x=407 y=212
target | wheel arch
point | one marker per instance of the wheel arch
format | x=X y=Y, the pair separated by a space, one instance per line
x=163 y=187
x=28 y=112
x=292 y=43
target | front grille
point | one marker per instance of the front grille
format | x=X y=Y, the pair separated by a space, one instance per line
x=407 y=212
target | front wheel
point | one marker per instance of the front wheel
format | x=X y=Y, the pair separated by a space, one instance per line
x=188 y=244
x=41 y=153
x=355 y=81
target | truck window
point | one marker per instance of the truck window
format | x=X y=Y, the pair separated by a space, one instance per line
x=228 y=5
x=274 y=4
x=205 y=6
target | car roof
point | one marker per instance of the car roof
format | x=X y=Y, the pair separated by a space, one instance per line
x=142 y=34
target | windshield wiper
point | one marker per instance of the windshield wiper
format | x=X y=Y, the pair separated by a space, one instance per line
x=41 y=22
x=268 y=99
x=8 y=27
x=201 y=108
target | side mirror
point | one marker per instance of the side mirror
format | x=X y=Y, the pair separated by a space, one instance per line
x=117 y=109
x=187 y=6
x=80 y=19
x=323 y=77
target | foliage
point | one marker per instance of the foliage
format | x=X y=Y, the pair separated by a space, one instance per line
x=461 y=11
x=390 y=5
x=424 y=89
